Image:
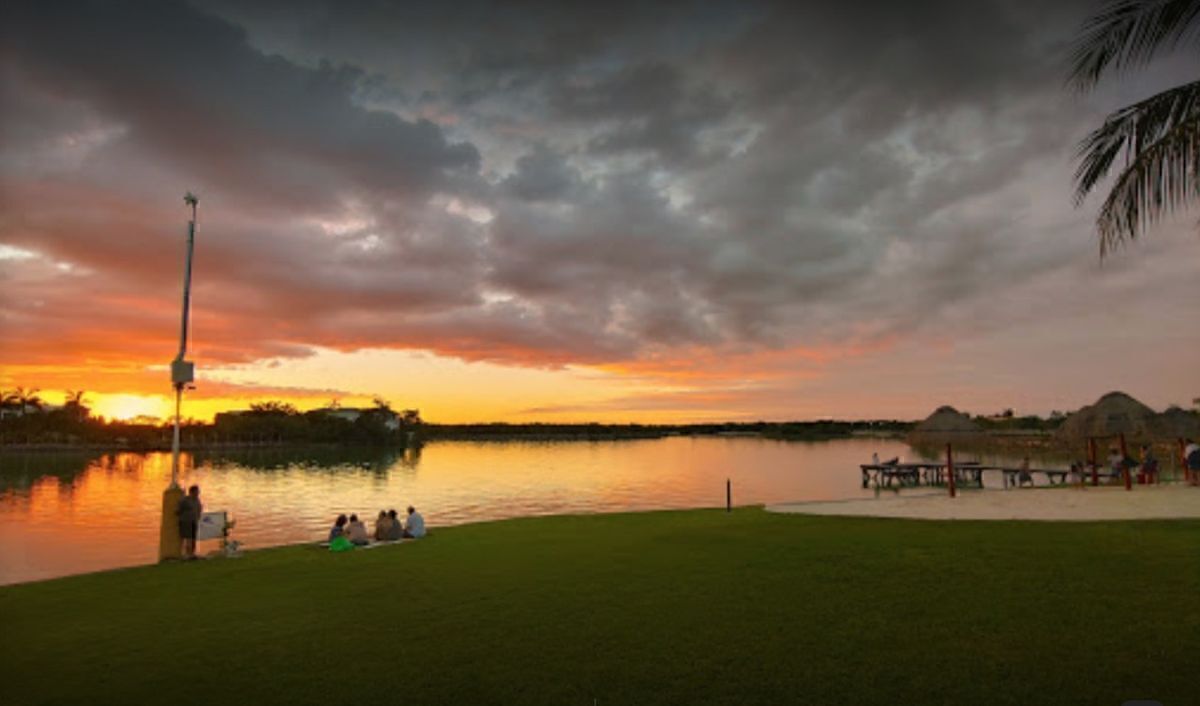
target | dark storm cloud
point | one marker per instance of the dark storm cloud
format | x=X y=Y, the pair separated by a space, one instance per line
x=542 y=184
x=193 y=93
x=542 y=175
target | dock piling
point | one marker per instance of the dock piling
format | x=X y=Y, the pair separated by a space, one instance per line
x=950 y=469
x=1125 y=466
x=1092 y=461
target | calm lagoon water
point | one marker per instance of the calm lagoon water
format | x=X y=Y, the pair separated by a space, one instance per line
x=71 y=513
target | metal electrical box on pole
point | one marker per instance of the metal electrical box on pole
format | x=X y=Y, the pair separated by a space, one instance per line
x=183 y=373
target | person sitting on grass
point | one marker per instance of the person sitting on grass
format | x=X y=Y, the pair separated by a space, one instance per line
x=416 y=524
x=396 y=529
x=383 y=526
x=338 y=529
x=357 y=532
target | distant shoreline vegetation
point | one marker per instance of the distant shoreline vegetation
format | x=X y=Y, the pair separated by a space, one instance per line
x=27 y=423
x=254 y=429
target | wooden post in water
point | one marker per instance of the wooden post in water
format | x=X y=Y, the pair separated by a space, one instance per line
x=1125 y=466
x=1092 y=459
x=728 y=495
x=950 y=469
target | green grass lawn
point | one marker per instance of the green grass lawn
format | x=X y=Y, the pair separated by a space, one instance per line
x=667 y=607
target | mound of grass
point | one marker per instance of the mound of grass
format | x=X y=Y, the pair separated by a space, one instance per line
x=666 y=607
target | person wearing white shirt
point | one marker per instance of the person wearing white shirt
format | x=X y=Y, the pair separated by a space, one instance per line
x=415 y=527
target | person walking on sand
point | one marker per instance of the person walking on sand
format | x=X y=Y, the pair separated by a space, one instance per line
x=416 y=524
x=188 y=511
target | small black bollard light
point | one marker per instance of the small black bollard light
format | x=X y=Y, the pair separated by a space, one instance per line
x=728 y=495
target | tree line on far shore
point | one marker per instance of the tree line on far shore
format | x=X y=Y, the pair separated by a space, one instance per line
x=26 y=419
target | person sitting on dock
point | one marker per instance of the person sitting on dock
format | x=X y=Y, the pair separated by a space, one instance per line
x=357 y=532
x=396 y=530
x=416 y=524
x=1023 y=475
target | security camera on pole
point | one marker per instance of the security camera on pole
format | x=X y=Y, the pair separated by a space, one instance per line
x=182 y=375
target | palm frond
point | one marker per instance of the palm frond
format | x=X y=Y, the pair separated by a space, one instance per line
x=1126 y=33
x=1160 y=179
x=1130 y=130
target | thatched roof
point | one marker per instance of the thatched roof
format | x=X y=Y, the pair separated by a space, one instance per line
x=947 y=426
x=947 y=420
x=1114 y=413
x=1176 y=423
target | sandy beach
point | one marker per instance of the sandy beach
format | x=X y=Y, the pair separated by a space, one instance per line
x=1065 y=504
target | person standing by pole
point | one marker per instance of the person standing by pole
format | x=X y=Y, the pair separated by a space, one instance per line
x=189 y=511
x=182 y=375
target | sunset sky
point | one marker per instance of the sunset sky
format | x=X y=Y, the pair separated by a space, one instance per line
x=603 y=211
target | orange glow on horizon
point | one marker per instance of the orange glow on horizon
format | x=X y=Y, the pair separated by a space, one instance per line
x=127 y=406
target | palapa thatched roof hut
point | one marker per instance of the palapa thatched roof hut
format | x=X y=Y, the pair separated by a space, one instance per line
x=1176 y=423
x=946 y=425
x=1114 y=413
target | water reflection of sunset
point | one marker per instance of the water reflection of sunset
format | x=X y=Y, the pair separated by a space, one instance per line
x=68 y=514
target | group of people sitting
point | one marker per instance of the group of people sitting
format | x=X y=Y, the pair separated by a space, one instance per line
x=1146 y=469
x=388 y=528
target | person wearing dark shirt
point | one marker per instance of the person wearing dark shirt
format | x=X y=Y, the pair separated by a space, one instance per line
x=188 y=512
x=383 y=525
x=396 y=530
x=339 y=528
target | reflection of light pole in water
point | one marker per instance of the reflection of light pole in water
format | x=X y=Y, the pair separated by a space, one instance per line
x=182 y=375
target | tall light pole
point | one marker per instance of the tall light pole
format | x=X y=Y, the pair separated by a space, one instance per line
x=182 y=375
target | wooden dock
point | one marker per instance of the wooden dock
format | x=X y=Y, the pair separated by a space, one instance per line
x=966 y=474
x=888 y=475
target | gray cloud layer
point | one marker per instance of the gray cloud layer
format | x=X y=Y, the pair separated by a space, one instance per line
x=546 y=185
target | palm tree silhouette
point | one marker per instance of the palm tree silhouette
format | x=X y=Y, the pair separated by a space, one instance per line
x=23 y=398
x=1159 y=136
x=8 y=400
x=75 y=404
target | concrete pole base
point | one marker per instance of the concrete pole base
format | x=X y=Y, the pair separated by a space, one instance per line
x=168 y=536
